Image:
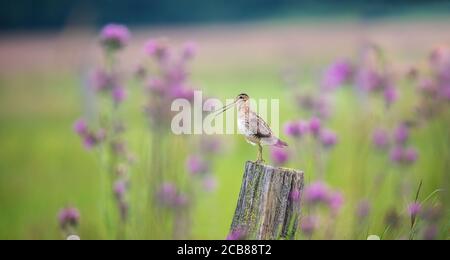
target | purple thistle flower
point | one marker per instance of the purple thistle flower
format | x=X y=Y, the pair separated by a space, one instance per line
x=182 y=92
x=119 y=94
x=316 y=192
x=295 y=128
x=328 y=138
x=151 y=47
x=397 y=154
x=380 y=138
x=176 y=74
x=315 y=126
x=308 y=225
x=100 y=80
x=89 y=141
x=237 y=234
x=189 y=50
x=337 y=74
x=368 y=79
x=196 y=165
x=114 y=36
x=410 y=155
x=406 y=156
x=303 y=127
x=157 y=49
x=335 y=202
x=120 y=188
x=80 y=127
x=279 y=155
x=291 y=129
x=401 y=134
x=390 y=95
x=68 y=217
x=414 y=208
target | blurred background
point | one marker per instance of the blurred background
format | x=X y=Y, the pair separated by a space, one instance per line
x=85 y=128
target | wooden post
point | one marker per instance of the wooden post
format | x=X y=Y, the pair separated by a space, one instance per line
x=269 y=202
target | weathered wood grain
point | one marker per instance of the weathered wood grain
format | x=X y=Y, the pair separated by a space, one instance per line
x=269 y=202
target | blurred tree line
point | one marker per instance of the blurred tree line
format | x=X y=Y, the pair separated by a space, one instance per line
x=45 y=14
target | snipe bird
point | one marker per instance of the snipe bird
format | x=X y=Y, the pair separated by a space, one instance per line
x=252 y=126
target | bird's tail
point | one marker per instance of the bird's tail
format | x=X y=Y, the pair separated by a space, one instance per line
x=280 y=143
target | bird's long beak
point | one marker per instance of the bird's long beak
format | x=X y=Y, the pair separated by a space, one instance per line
x=225 y=108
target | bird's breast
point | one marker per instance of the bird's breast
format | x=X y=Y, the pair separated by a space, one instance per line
x=242 y=126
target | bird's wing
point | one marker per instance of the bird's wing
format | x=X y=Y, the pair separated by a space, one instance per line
x=257 y=126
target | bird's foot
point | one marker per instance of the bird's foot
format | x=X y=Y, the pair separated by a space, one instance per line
x=259 y=161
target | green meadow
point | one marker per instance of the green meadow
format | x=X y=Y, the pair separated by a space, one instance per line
x=44 y=166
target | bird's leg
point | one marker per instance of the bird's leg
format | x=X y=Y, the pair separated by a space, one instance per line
x=260 y=158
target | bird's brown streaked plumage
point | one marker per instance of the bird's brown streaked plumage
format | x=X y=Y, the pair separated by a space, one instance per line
x=253 y=127
x=262 y=129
